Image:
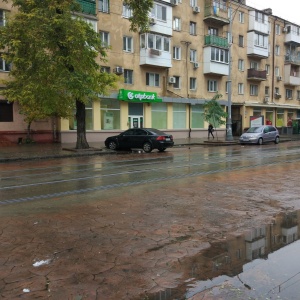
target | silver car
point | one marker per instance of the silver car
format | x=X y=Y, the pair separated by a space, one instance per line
x=260 y=135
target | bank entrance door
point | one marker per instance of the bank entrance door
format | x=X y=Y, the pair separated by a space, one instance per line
x=136 y=115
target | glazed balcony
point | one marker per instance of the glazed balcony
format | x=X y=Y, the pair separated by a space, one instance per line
x=87 y=7
x=215 y=12
x=257 y=75
x=214 y=40
x=292 y=59
x=292 y=35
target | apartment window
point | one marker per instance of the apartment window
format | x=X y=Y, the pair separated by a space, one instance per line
x=6 y=111
x=104 y=36
x=192 y=28
x=241 y=41
x=277 y=73
x=277 y=29
x=260 y=40
x=241 y=17
x=268 y=69
x=176 y=85
x=259 y=17
x=127 y=11
x=159 y=12
x=213 y=31
x=127 y=43
x=193 y=55
x=277 y=91
x=253 y=89
x=152 y=79
x=2 y=17
x=241 y=89
x=177 y=24
x=104 y=6
x=298 y=95
x=4 y=66
x=193 y=83
x=212 y=85
x=105 y=69
x=241 y=65
x=176 y=53
x=267 y=91
x=289 y=94
x=219 y=55
x=277 y=50
x=227 y=87
x=179 y=115
x=155 y=41
x=193 y=3
x=128 y=76
x=254 y=65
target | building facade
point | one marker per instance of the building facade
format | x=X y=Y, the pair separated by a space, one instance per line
x=167 y=74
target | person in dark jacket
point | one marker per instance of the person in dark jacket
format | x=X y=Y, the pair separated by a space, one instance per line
x=210 y=130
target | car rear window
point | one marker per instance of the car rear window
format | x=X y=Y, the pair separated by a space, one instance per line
x=156 y=131
x=254 y=129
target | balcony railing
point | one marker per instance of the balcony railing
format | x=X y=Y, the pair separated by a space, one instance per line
x=214 y=40
x=293 y=59
x=87 y=6
x=216 y=11
x=254 y=74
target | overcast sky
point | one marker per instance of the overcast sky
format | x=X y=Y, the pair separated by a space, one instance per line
x=286 y=9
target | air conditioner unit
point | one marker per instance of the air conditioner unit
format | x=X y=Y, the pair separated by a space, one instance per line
x=277 y=95
x=172 y=80
x=196 y=9
x=155 y=52
x=289 y=98
x=152 y=21
x=174 y=2
x=196 y=65
x=279 y=78
x=267 y=99
x=119 y=70
x=284 y=29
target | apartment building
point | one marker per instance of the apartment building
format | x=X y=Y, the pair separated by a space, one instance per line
x=167 y=74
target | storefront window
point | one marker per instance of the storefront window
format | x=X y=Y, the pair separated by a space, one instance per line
x=279 y=117
x=88 y=118
x=159 y=115
x=110 y=114
x=290 y=117
x=269 y=117
x=256 y=111
x=197 y=116
x=179 y=115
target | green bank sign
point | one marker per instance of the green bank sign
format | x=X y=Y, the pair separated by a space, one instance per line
x=137 y=96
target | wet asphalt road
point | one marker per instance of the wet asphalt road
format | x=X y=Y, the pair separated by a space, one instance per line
x=125 y=226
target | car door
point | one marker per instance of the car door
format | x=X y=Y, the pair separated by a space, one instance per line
x=139 y=137
x=125 y=140
x=266 y=134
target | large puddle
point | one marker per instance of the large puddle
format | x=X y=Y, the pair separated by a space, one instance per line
x=261 y=264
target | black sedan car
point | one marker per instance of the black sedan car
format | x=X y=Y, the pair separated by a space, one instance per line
x=141 y=138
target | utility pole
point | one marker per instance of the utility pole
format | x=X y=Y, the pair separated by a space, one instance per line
x=229 y=136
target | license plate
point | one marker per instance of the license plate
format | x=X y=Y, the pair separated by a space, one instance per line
x=168 y=139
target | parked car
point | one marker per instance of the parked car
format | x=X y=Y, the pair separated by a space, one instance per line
x=141 y=138
x=260 y=135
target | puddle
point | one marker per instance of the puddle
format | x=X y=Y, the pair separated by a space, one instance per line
x=261 y=264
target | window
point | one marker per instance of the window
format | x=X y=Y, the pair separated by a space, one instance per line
x=227 y=87
x=176 y=53
x=277 y=50
x=212 y=85
x=197 y=116
x=159 y=115
x=127 y=43
x=253 y=89
x=277 y=91
x=2 y=17
x=261 y=40
x=254 y=65
x=127 y=11
x=241 y=41
x=241 y=89
x=104 y=6
x=219 y=55
x=193 y=3
x=152 y=79
x=4 y=66
x=193 y=55
x=177 y=24
x=179 y=115
x=105 y=69
x=192 y=28
x=110 y=114
x=277 y=73
x=213 y=31
x=298 y=95
x=289 y=94
x=259 y=17
x=241 y=17
x=154 y=41
x=104 y=36
x=277 y=29
x=279 y=117
x=193 y=83
x=176 y=85
x=267 y=91
x=128 y=76
x=159 y=12
x=6 y=111
x=268 y=69
x=241 y=66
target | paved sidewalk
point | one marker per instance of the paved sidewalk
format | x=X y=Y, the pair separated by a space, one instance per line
x=55 y=150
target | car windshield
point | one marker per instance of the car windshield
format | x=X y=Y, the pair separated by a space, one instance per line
x=254 y=129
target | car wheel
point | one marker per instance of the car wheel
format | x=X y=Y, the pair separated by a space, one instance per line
x=112 y=145
x=147 y=147
x=276 y=140
x=260 y=141
x=161 y=149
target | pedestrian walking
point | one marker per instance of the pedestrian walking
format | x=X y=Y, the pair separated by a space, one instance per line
x=210 y=130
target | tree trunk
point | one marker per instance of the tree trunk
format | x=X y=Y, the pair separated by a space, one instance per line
x=28 y=130
x=81 y=132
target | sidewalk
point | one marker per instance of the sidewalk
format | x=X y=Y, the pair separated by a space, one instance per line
x=55 y=150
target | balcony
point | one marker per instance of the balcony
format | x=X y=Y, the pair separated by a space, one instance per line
x=215 y=12
x=291 y=75
x=257 y=75
x=153 y=57
x=254 y=50
x=292 y=59
x=87 y=7
x=214 y=40
x=214 y=65
x=258 y=24
x=292 y=35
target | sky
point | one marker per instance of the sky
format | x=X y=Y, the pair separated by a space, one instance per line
x=286 y=9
